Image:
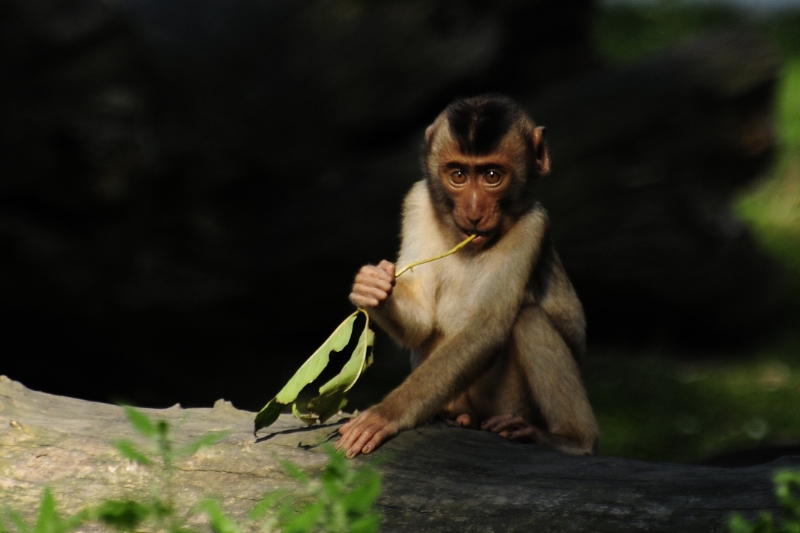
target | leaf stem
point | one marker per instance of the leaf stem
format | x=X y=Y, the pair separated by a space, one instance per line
x=456 y=248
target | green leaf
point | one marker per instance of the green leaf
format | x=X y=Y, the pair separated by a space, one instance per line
x=360 y=500
x=306 y=520
x=179 y=528
x=267 y=503
x=125 y=515
x=206 y=440
x=337 y=463
x=294 y=472
x=268 y=414
x=220 y=522
x=307 y=373
x=49 y=521
x=300 y=412
x=367 y=524
x=331 y=395
x=139 y=421
x=19 y=522
x=162 y=428
x=325 y=406
x=129 y=451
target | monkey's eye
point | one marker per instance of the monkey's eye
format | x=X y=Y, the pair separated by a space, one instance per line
x=458 y=177
x=492 y=177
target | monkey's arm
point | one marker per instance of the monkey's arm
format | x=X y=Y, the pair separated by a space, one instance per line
x=452 y=365
x=404 y=308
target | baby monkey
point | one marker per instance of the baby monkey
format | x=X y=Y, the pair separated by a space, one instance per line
x=496 y=329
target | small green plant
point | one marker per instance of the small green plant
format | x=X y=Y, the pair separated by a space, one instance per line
x=48 y=521
x=160 y=509
x=341 y=500
x=787 y=489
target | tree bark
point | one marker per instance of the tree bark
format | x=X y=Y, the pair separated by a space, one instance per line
x=436 y=478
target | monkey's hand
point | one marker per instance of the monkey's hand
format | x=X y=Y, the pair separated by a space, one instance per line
x=365 y=433
x=513 y=427
x=373 y=284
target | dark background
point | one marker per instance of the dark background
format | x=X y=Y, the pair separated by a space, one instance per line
x=189 y=186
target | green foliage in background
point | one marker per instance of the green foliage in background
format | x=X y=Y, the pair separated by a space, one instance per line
x=661 y=406
x=772 y=208
x=341 y=500
x=674 y=406
x=787 y=490
x=623 y=33
x=626 y=32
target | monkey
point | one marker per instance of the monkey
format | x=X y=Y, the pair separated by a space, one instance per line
x=496 y=330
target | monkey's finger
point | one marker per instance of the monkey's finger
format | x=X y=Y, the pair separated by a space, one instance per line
x=513 y=423
x=369 y=292
x=388 y=267
x=362 y=440
x=363 y=301
x=348 y=434
x=376 y=441
x=374 y=282
x=526 y=434
x=495 y=420
x=346 y=425
x=368 y=273
x=353 y=430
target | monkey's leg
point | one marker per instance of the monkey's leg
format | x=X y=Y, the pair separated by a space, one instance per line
x=555 y=384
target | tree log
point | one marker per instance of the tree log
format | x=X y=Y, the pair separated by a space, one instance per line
x=436 y=478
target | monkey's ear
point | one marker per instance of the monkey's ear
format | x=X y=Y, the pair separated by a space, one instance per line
x=429 y=133
x=541 y=151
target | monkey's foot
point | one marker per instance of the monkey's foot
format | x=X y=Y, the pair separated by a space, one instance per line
x=512 y=427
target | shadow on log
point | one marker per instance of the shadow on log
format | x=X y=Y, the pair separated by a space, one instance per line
x=438 y=478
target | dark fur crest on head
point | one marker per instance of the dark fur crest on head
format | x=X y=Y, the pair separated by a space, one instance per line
x=479 y=124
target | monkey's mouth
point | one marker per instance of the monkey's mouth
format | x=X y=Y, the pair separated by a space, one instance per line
x=482 y=236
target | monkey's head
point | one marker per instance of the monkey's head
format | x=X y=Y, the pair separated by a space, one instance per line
x=482 y=159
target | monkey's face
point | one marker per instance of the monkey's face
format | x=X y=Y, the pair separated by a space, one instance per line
x=476 y=186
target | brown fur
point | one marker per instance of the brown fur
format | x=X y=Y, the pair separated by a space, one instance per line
x=495 y=329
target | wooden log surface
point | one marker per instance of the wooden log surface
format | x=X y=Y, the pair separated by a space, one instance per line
x=437 y=478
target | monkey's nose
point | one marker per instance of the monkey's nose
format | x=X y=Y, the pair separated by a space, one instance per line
x=475 y=221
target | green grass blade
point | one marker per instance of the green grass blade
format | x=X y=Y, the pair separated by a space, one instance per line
x=132 y=453
x=206 y=440
x=219 y=521
x=49 y=521
x=140 y=421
